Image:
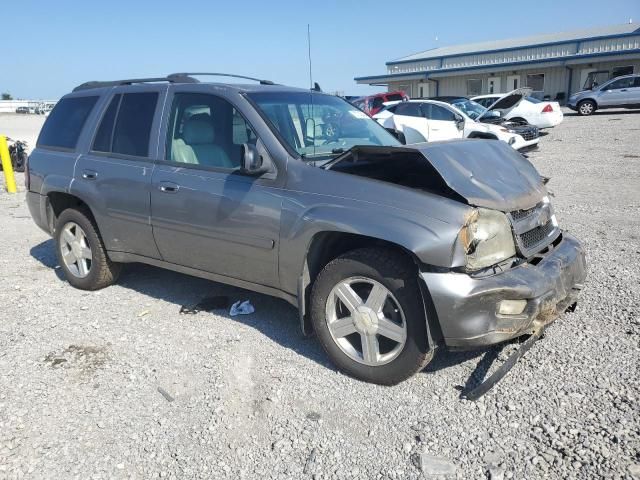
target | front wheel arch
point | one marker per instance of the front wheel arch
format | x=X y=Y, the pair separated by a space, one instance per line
x=486 y=136
x=327 y=246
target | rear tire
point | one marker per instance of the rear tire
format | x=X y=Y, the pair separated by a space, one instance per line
x=586 y=107
x=81 y=253
x=350 y=330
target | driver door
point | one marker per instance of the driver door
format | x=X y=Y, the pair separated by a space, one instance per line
x=205 y=213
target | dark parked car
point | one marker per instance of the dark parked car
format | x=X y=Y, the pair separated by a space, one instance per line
x=387 y=251
x=22 y=110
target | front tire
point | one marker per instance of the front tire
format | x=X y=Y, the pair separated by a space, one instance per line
x=367 y=312
x=586 y=107
x=81 y=253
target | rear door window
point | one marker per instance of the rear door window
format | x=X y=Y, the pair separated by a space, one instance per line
x=102 y=142
x=408 y=109
x=133 y=125
x=64 y=125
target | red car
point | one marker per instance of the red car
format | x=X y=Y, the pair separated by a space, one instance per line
x=374 y=103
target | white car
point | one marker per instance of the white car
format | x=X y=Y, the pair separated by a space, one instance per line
x=540 y=113
x=456 y=117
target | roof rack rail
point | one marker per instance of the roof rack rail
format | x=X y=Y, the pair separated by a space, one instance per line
x=189 y=75
x=130 y=81
x=172 y=78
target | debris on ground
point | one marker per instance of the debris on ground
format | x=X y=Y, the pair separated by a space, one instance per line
x=165 y=394
x=432 y=465
x=241 y=308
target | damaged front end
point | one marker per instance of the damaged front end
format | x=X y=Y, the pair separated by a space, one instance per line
x=513 y=270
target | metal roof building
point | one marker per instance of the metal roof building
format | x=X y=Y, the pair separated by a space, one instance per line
x=554 y=65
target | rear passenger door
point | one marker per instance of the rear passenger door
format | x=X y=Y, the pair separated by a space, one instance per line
x=206 y=214
x=114 y=175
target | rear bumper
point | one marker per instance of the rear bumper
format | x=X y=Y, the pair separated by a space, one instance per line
x=467 y=307
x=38 y=209
x=549 y=120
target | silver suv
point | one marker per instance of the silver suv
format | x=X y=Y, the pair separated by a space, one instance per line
x=387 y=251
x=620 y=92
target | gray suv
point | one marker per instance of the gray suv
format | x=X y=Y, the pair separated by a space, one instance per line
x=620 y=92
x=388 y=251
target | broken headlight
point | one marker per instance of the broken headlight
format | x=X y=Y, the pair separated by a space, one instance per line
x=487 y=239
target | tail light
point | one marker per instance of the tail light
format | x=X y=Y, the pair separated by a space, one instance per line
x=547 y=109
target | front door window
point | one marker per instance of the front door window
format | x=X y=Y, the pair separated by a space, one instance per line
x=206 y=131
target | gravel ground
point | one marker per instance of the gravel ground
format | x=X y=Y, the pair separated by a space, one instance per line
x=118 y=384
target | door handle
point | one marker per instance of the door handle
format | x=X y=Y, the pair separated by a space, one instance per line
x=623 y=90
x=89 y=174
x=169 y=187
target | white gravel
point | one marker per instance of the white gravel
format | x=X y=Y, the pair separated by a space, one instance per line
x=117 y=384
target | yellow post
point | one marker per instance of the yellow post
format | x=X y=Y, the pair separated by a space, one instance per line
x=7 y=168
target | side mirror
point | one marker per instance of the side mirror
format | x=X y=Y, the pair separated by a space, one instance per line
x=399 y=135
x=459 y=122
x=252 y=162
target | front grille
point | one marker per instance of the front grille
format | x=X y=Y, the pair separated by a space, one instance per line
x=529 y=134
x=520 y=214
x=536 y=236
x=534 y=228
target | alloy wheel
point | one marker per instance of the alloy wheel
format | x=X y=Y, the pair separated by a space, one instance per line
x=76 y=252
x=586 y=108
x=366 y=321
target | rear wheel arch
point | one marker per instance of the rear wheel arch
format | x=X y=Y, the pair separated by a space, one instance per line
x=58 y=202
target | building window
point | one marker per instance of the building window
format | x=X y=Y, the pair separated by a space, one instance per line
x=474 y=86
x=536 y=82
x=619 y=71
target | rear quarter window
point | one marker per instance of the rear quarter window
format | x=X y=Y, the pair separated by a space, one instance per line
x=65 y=122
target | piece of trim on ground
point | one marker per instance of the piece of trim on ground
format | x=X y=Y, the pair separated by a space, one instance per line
x=478 y=391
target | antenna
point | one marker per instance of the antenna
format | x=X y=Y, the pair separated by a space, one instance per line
x=309 y=53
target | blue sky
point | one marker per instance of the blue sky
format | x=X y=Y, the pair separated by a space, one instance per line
x=51 y=46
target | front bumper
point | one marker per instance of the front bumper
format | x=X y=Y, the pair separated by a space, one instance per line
x=467 y=307
x=521 y=144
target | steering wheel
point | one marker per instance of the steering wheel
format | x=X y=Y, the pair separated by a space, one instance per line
x=331 y=133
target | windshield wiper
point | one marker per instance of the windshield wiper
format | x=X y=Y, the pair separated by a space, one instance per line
x=317 y=155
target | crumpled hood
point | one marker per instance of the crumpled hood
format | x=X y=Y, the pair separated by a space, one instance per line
x=484 y=173
x=487 y=173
